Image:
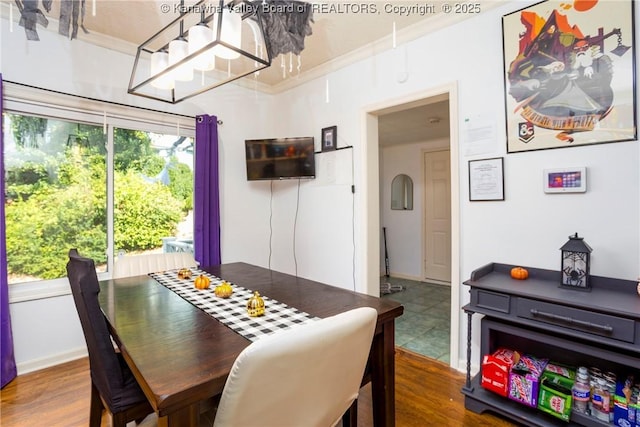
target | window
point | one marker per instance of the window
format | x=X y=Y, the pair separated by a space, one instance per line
x=64 y=190
x=153 y=208
x=55 y=195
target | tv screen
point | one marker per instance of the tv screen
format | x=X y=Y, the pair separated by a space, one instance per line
x=280 y=158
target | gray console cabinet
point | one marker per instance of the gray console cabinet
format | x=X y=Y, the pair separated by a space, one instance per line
x=599 y=328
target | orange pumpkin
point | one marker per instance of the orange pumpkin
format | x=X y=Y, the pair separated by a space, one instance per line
x=202 y=282
x=519 y=273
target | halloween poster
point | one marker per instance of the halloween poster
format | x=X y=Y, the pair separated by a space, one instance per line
x=569 y=70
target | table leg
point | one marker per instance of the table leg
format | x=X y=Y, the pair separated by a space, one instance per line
x=185 y=417
x=383 y=376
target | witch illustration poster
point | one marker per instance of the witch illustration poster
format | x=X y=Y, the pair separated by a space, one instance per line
x=569 y=74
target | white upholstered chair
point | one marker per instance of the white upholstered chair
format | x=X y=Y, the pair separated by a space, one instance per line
x=306 y=376
x=135 y=265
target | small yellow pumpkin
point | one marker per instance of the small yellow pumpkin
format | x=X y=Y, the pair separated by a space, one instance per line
x=184 y=273
x=519 y=273
x=202 y=282
x=255 y=305
x=223 y=290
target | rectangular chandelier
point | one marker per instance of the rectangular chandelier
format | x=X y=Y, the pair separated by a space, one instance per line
x=210 y=43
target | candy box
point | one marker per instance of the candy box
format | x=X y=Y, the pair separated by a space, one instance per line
x=524 y=380
x=626 y=407
x=625 y=414
x=496 y=368
x=555 y=390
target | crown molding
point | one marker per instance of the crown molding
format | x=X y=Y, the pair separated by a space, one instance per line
x=403 y=36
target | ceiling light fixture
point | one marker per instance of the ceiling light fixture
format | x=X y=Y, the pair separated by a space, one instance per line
x=200 y=36
x=164 y=64
x=160 y=61
x=230 y=30
x=178 y=50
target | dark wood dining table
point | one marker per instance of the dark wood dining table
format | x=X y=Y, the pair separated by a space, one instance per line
x=181 y=356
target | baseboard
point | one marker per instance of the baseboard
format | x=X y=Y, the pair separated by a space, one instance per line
x=437 y=282
x=462 y=367
x=403 y=276
x=416 y=278
x=47 y=362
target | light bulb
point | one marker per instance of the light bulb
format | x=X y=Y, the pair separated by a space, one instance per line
x=159 y=62
x=199 y=36
x=179 y=49
x=230 y=33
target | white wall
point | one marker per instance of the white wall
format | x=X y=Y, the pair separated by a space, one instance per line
x=46 y=332
x=527 y=228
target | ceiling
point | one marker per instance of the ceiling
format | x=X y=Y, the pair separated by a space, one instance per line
x=414 y=125
x=334 y=34
x=339 y=36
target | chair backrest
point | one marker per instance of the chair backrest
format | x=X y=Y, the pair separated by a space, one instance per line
x=306 y=376
x=106 y=371
x=135 y=265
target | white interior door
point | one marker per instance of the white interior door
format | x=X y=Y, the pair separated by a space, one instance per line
x=437 y=214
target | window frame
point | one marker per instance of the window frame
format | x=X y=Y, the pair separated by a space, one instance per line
x=33 y=102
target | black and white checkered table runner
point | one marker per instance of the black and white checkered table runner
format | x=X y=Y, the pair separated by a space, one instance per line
x=232 y=311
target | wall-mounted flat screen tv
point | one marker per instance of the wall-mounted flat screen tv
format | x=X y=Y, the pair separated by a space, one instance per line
x=280 y=158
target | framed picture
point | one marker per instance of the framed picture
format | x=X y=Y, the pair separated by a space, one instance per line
x=569 y=72
x=565 y=180
x=329 y=138
x=486 y=179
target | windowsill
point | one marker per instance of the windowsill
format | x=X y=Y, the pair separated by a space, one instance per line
x=30 y=291
x=22 y=292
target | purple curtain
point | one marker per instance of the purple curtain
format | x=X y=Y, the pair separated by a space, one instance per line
x=8 y=361
x=206 y=201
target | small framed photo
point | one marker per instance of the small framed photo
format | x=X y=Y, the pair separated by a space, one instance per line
x=486 y=179
x=329 y=138
x=565 y=180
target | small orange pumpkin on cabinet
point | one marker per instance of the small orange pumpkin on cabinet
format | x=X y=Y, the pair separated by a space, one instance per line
x=202 y=282
x=519 y=273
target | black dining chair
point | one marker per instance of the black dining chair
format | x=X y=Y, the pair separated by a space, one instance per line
x=113 y=385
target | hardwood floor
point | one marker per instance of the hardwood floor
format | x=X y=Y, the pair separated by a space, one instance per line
x=427 y=394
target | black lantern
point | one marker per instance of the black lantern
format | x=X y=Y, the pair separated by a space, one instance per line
x=575 y=264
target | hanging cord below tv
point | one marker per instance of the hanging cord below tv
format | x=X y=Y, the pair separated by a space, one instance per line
x=270 y=221
x=295 y=223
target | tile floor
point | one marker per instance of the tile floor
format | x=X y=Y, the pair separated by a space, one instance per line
x=424 y=326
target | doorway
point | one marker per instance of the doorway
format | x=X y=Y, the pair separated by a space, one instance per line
x=372 y=196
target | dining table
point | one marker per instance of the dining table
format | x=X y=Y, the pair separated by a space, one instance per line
x=181 y=355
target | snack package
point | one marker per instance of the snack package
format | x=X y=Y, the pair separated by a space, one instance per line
x=524 y=380
x=555 y=390
x=626 y=409
x=496 y=368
